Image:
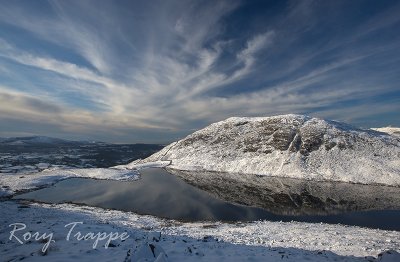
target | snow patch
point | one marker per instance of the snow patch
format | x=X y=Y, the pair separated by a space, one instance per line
x=11 y=183
x=394 y=131
x=139 y=164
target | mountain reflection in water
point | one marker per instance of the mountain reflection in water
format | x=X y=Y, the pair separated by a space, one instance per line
x=293 y=197
x=210 y=196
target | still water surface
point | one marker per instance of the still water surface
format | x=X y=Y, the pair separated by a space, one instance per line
x=188 y=196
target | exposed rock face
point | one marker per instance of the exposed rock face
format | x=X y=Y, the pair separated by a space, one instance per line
x=290 y=146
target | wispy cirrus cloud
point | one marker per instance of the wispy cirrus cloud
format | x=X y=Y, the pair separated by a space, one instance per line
x=140 y=70
x=62 y=27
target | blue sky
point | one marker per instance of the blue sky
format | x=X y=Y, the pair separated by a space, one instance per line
x=154 y=71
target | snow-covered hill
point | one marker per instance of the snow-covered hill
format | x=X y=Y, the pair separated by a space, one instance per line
x=394 y=131
x=293 y=146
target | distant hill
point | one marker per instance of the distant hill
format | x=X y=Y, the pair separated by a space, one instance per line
x=40 y=140
x=34 y=140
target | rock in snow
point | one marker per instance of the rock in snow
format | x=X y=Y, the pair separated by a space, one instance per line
x=295 y=146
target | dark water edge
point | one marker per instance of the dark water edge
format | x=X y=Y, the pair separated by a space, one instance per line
x=202 y=196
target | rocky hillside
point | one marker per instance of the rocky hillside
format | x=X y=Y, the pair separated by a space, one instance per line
x=293 y=146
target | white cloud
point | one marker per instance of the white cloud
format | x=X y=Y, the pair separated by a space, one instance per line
x=247 y=55
x=176 y=62
x=63 y=29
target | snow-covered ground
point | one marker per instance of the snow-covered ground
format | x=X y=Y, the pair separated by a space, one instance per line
x=394 y=131
x=12 y=183
x=136 y=165
x=256 y=241
x=293 y=146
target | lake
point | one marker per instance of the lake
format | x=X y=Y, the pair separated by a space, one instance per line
x=211 y=196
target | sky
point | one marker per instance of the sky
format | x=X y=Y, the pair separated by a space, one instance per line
x=155 y=71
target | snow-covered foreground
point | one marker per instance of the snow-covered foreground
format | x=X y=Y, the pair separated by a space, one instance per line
x=257 y=241
x=294 y=146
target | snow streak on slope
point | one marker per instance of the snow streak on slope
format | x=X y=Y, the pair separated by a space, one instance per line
x=294 y=146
